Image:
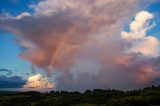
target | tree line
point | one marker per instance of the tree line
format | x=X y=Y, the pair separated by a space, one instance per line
x=148 y=96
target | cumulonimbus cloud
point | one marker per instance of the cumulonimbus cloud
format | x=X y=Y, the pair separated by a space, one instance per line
x=57 y=29
x=84 y=43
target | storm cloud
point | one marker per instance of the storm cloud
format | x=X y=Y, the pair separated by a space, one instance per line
x=83 y=41
x=11 y=82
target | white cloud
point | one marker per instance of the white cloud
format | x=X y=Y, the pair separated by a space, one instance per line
x=148 y=46
x=37 y=81
x=22 y=15
x=141 y=42
x=140 y=20
x=139 y=26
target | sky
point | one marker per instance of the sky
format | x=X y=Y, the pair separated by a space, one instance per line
x=79 y=45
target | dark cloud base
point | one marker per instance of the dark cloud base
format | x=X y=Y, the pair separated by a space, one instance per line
x=11 y=82
x=5 y=84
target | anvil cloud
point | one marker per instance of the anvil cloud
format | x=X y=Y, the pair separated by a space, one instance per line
x=84 y=43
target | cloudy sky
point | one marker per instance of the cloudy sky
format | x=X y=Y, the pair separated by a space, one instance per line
x=79 y=44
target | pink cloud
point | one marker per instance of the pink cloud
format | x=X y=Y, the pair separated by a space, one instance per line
x=63 y=36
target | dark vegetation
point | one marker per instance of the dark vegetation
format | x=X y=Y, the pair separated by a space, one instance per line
x=149 y=96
